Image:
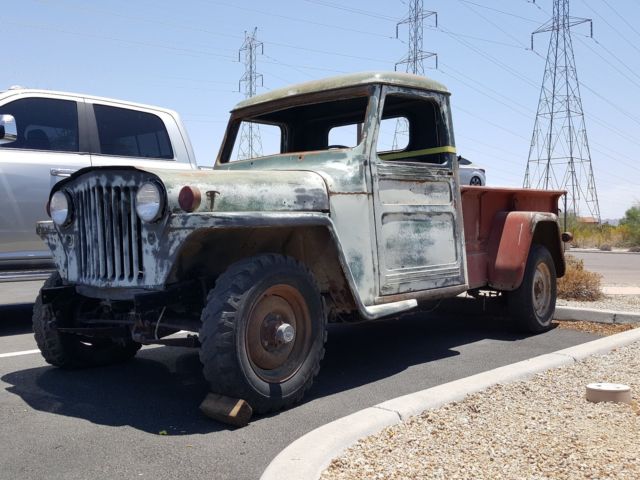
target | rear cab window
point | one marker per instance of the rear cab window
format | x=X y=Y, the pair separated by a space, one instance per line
x=132 y=133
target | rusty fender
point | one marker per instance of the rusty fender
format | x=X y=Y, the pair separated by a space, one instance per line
x=512 y=234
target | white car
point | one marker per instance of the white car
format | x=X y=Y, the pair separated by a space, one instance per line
x=470 y=173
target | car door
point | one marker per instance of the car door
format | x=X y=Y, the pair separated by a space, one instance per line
x=48 y=148
x=137 y=137
x=419 y=234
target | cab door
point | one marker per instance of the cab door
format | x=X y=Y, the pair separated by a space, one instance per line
x=419 y=234
x=49 y=147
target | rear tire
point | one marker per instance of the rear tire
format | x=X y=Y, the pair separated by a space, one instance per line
x=532 y=305
x=241 y=353
x=67 y=350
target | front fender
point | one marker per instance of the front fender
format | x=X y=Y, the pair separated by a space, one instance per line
x=512 y=234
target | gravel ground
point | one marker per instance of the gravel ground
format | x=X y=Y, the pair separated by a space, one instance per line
x=618 y=303
x=603 y=329
x=542 y=428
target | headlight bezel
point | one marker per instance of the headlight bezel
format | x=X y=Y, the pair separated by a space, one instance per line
x=158 y=212
x=68 y=216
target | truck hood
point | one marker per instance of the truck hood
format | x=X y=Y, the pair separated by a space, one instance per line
x=232 y=191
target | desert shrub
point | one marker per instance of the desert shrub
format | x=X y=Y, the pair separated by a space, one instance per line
x=578 y=283
x=634 y=249
x=605 y=247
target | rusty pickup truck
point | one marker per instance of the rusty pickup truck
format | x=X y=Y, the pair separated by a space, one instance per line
x=357 y=214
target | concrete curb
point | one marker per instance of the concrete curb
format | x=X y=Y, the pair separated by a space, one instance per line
x=596 y=250
x=309 y=455
x=593 y=315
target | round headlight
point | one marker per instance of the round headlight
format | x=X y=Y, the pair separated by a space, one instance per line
x=149 y=202
x=60 y=208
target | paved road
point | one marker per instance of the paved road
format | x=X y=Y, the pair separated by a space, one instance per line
x=105 y=423
x=622 y=269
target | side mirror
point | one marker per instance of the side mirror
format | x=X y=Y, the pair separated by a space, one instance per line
x=8 y=129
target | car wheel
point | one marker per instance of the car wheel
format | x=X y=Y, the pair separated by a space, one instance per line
x=533 y=303
x=68 y=350
x=263 y=332
x=475 y=180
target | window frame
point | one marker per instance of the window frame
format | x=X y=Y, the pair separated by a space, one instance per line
x=441 y=101
x=237 y=116
x=83 y=145
x=93 y=133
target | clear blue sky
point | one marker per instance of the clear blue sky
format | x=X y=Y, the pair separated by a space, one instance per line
x=183 y=55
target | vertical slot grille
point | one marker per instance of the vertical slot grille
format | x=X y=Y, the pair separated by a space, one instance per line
x=110 y=234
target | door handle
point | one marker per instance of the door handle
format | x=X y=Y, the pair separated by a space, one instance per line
x=62 y=172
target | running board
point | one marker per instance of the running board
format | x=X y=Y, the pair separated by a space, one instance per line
x=378 y=311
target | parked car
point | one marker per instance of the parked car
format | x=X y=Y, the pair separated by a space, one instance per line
x=255 y=256
x=45 y=136
x=470 y=173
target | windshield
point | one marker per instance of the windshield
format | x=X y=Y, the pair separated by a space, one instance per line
x=301 y=128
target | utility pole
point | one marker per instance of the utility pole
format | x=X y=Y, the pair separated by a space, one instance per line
x=250 y=144
x=413 y=61
x=559 y=156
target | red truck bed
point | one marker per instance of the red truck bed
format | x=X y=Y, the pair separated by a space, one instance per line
x=483 y=213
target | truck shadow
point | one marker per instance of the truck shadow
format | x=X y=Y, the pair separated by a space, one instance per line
x=161 y=388
x=15 y=319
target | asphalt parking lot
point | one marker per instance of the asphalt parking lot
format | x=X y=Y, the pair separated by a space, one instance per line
x=140 y=419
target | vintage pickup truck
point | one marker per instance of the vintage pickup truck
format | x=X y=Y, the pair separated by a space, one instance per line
x=257 y=255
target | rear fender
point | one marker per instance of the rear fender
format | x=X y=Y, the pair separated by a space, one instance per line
x=512 y=234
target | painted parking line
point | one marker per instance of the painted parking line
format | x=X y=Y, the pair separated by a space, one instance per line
x=17 y=354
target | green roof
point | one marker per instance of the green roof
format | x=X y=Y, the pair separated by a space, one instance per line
x=345 y=81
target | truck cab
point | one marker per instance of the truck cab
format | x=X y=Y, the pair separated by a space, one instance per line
x=354 y=212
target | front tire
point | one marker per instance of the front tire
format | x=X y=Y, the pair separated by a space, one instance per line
x=67 y=350
x=532 y=305
x=263 y=332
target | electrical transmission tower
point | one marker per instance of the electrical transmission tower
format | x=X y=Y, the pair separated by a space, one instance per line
x=250 y=144
x=559 y=157
x=414 y=60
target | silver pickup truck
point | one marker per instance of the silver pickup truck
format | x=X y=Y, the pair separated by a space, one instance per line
x=46 y=136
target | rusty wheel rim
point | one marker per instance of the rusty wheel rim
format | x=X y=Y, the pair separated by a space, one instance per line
x=280 y=312
x=541 y=291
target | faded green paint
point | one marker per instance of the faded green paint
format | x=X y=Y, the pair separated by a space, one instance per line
x=348 y=191
x=345 y=81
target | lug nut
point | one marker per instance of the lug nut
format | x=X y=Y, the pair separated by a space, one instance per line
x=285 y=333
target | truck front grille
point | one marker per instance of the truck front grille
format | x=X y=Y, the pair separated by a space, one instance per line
x=110 y=234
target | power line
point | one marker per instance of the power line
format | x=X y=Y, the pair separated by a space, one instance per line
x=498 y=11
x=622 y=18
x=468 y=7
x=296 y=19
x=358 y=11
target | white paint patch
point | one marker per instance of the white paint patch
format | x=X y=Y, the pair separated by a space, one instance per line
x=17 y=354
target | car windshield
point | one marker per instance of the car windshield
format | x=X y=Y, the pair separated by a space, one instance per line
x=302 y=128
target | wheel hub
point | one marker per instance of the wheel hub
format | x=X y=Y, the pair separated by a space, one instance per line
x=277 y=333
x=541 y=289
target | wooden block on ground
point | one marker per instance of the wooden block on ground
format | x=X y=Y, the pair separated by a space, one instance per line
x=232 y=411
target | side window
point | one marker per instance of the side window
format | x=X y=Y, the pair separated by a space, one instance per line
x=413 y=130
x=44 y=124
x=256 y=139
x=131 y=133
x=393 y=134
